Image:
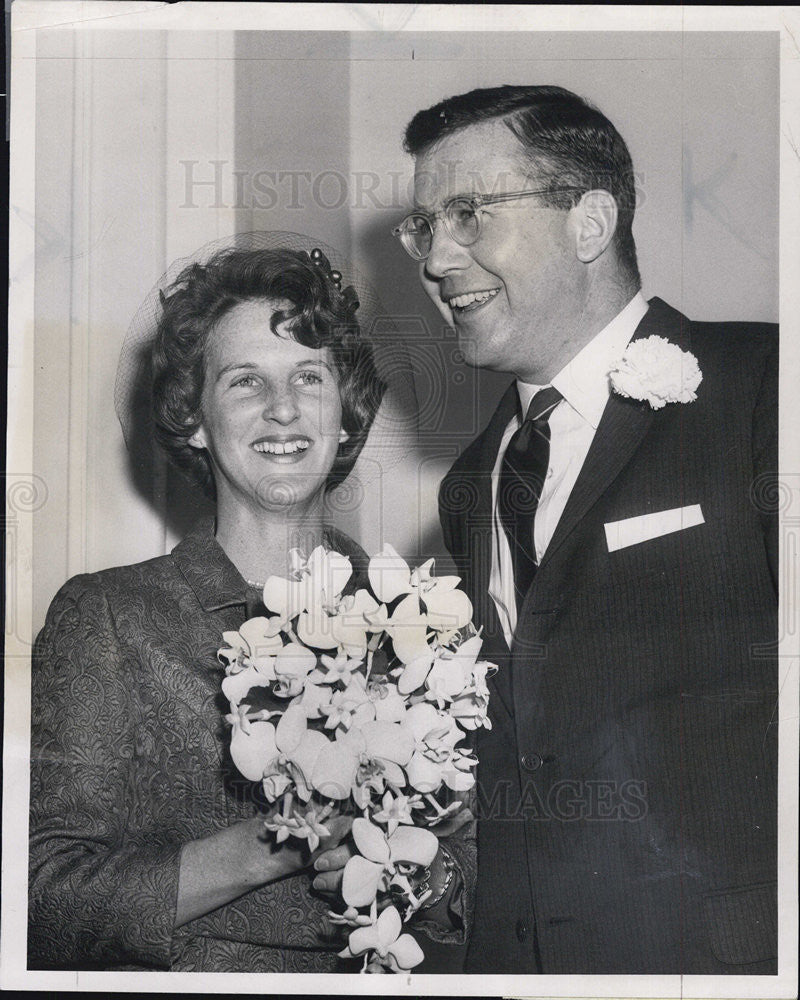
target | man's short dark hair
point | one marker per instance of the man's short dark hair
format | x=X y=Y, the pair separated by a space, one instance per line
x=320 y=316
x=570 y=142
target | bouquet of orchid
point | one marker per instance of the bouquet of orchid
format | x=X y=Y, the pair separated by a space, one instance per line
x=340 y=699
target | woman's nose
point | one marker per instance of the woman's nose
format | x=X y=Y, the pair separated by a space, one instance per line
x=446 y=255
x=282 y=406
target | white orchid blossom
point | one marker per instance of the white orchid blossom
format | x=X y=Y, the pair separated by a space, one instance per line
x=472 y=706
x=445 y=606
x=237 y=684
x=446 y=673
x=249 y=657
x=252 y=742
x=363 y=759
x=326 y=619
x=256 y=640
x=387 y=702
x=378 y=857
x=313 y=699
x=313 y=585
x=384 y=945
x=278 y=755
x=293 y=663
x=408 y=628
x=452 y=671
x=298 y=749
x=351 y=623
x=311 y=595
x=435 y=760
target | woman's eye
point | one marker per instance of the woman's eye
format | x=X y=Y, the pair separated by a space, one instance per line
x=309 y=378
x=246 y=381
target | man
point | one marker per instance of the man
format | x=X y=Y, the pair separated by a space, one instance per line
x=620 y=551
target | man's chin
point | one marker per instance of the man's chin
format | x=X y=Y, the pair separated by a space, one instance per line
x=473 y=350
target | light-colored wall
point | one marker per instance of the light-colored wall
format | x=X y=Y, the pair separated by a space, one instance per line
x=118 y=114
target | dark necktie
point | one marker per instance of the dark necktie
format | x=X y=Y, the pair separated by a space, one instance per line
x=522 y=476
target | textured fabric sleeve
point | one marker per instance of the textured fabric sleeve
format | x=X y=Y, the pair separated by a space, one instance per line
x=103 y=879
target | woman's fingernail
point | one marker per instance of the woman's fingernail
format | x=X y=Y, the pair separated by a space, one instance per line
x=321 y=864
x=318 y=883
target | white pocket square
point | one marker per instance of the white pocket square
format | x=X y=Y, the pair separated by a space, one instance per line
x=632 y=530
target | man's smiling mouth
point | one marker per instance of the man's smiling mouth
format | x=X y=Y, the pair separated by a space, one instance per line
x=468 y=299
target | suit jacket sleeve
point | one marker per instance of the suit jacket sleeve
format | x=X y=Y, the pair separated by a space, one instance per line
x=766 y=488
x=103 y=880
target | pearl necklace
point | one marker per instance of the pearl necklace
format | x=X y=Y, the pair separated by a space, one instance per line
x=255 y=583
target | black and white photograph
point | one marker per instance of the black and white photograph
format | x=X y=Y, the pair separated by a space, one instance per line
x=402 y=515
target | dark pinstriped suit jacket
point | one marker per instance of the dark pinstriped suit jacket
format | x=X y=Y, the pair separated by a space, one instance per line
x=627 y=791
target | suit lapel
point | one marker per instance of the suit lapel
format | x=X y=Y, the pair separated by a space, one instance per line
x=621 y=430
x=479 y=532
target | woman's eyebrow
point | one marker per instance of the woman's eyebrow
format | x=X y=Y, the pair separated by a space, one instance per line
x=236 y=366
x=314 y=361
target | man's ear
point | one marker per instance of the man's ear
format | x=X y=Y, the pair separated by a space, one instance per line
x=596 y=222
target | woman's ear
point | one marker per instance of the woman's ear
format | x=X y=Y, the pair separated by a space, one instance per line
x=198 y=439
x=596 y=222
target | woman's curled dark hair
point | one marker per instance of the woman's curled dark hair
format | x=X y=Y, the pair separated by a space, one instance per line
x=321 y=316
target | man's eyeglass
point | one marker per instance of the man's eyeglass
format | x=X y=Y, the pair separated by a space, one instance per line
x=462 y=219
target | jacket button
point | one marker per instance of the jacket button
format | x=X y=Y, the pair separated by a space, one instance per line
x=522 y=929
x=531 y=761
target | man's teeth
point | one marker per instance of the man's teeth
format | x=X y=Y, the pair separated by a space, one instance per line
x=462 y=301
x=281 y=447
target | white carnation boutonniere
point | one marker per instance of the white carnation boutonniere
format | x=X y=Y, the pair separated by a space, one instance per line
x=657 y=372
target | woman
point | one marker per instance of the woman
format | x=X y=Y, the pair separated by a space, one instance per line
x=146 y=851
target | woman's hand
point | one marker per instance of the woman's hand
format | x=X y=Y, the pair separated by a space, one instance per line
x=329 y=862
x=242 y=857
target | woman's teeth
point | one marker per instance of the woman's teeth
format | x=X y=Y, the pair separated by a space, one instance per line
x=281 y=447
x=462 y=301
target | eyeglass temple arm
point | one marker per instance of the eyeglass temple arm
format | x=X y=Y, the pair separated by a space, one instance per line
x=488 y=199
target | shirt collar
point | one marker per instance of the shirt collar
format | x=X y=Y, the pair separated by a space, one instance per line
x=583 y=382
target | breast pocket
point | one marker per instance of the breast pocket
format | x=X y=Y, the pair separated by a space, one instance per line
x=743 y=923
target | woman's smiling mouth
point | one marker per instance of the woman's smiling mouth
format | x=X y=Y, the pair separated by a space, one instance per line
x=283 y=447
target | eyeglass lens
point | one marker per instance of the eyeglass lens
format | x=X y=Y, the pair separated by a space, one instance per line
x=461 y=220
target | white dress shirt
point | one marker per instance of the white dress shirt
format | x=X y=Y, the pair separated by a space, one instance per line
x=584 y=384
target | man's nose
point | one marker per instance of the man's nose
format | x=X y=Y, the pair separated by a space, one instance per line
x=446 y=255
x=281 y=406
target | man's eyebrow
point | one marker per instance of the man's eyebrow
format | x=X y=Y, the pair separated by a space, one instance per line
x=466 y=195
